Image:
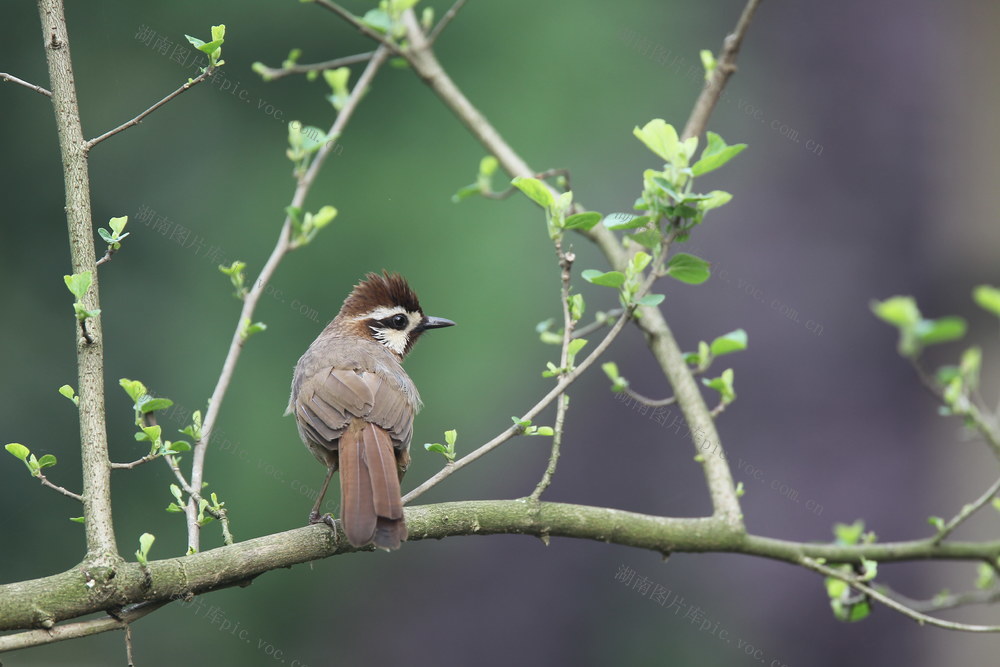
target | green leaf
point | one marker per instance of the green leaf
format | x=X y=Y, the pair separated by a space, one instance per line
x=715 y=199
x=942 y=330
x=47 y=461
x=648 y=238
x=848 y=534
x=722 y=384
x=584 y=221
x=118 y=224
x=78 y=283
x=616 y=221
x=435 y=447
x=337 y=80
x=661 y=138
x=611 y=370
x=18 y=450
x=936 y=521
x=133 y=388
x=152 y=433
x=68 y=392
x=575 y=346
x=609 y=279
x=77 y=519
x=651 y=300
x=105 y=235
x=734 y=341
x=535 y=190
x=716 y=154
x=708 y=63
x=149 y=404
x=488 y=166
x=544 y=430
x=988 y=298
x=451 y=437
x=577 y=306
x=178 y=446
x=145 y=544
x=465 y=192
x=899 y=311
x=688 y=269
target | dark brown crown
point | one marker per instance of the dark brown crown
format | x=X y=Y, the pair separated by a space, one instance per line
x=380 y=291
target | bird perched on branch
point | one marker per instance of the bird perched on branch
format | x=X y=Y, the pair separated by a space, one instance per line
x=354 y=405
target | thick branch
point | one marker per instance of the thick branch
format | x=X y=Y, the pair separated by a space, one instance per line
x=101 y=545
x=44 y=602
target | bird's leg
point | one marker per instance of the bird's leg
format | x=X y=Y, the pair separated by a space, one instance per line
x=314 y=516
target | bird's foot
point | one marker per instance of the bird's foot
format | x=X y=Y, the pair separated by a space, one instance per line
x=315 y=517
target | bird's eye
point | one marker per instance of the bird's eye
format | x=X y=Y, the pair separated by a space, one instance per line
x=398 y=322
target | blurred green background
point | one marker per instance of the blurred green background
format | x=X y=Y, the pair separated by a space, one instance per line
x=870 y=173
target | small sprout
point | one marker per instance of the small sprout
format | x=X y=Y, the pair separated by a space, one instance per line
x=936 y=521
x=988 y=298
x=708 y=63
x=247 y=329
x=77 y=519
x=740 y=490
x=68 y=392
x=115 y=236
x=447 y=450
x=212 y=49
x=724 y=385
x=618 y=383
x=337 y=80
x=33 y=464
x=236 y=277
x=145 y=544
x=177 y=506
x=848 y=534
x=193 y=430
x=304 y=231
x=577 y=306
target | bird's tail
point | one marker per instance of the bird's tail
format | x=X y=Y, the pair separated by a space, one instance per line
x=370 y=504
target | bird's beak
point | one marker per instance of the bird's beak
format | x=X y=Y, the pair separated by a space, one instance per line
x=435 y=323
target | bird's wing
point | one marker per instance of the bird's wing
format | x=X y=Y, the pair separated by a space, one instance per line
x=332 y=397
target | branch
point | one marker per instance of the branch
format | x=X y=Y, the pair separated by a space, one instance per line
x=281 y=248
x=10 y=77
x=138 y=119
x=274 y=73
x=85 y=590
x=77 y=630
x=920 y=618
x=651 y=402
x=55 y=487
x=445 y=20
x=565 y=266
x=661 y=341
x=724 y=68
x=358 y=25
x=101 y=547
x=967 y=511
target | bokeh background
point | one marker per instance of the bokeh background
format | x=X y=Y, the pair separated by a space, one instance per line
x=870 y=172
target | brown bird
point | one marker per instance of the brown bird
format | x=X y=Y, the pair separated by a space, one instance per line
x=354 y=405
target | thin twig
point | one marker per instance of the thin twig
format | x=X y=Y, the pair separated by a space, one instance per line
x=138 y=119
x=966 y=512
x=857 y=584
x=724 y=68
x=13 y=79
x=361 y=27
x=76 y=630
x=222 y=516
x=566 y=267
x=281 y=248
x=945 y=601
x=134 y=464
x=651 y=402
x=274 y=73
x=55 y=487
x=564 y=382
x=445 y=20
x=107 y=255
x=602 y=320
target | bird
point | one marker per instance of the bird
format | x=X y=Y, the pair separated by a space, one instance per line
x=354 y=405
